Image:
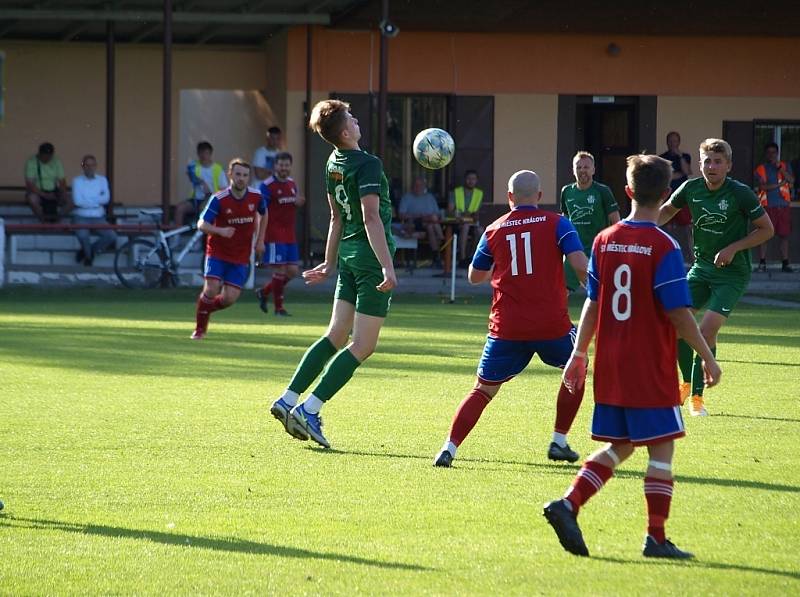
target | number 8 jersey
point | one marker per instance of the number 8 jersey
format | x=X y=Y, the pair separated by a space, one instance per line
x=636 y=275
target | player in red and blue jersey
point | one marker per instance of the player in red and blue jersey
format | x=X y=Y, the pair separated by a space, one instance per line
x=638 y=297
x=522 y=253
x=280 y=251
x=230 y=220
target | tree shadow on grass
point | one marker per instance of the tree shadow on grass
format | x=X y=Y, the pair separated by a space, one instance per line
x=569 y=469
x=217 y=544
x=700 y=564
x=781 y=419
x=768 y=363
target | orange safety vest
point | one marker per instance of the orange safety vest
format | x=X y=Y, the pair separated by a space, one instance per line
x=784 y=188
x=474 y=201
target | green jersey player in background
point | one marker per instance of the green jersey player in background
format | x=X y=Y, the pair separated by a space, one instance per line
x=589 y=205
x=360 y=243
x=721 y=209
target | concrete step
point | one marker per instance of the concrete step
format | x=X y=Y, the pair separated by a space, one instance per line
x=79 y=275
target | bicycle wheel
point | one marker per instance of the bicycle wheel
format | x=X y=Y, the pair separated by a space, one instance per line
x=139 y=264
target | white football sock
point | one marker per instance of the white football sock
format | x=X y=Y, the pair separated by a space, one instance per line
x=560 y=439
x=290 y=397
x=312 y=405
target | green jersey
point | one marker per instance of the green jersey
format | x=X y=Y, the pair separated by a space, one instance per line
x=588 y=210
x=719 y=218
x=349 y=175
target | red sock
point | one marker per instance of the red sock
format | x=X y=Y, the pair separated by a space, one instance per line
x=658 y=493
x=205 y=306
x=278 y=283
x=218 y=304
x=468 y=413
x=267 y=288
x=567 y=408
x=589 y=480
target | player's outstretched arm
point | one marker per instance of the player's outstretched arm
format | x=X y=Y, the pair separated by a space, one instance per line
x=327 y=267
x=579 y=263
x=574 y=376
x=686 y=326
x=376 y=235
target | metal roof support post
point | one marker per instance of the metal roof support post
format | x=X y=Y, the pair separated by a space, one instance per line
x=383 y=77
x=166 y=111
x=111 y=74
x=307 y=149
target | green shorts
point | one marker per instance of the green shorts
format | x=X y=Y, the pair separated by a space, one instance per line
x=356 y=285
x=717 y=289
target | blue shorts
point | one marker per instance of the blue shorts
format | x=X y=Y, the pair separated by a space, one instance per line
x=281 y=253
x=232 y=274
x=503 y=359
x=639 y=426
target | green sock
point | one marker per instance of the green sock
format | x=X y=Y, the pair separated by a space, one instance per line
x=338 y=373
x=312 y=363
x=697 y=373
x=685 y=360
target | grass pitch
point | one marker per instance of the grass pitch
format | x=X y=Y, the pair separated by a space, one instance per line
x=133 y=460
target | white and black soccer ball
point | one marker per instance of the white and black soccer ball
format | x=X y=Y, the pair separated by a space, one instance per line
x=434 y=148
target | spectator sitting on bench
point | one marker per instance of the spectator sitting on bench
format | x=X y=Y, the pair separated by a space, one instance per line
x=46 y=188
x=464 y=205
x=419 y=212
x=90 y=194
x=207 y=177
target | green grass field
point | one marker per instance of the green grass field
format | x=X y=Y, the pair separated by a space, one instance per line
x=133 y=460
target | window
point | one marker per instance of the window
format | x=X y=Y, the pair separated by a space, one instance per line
x=785 y=134
x=409 y=114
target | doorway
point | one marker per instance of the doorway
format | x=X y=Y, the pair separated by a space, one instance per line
x=610 y=128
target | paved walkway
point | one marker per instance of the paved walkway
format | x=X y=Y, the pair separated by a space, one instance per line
x=769 y=302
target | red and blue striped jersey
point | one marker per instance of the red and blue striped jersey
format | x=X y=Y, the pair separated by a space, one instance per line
x=527 y=247
x=280 y=197
x=636 y=275
x=223 y=210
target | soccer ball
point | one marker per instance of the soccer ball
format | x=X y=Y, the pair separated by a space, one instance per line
x=434 y=148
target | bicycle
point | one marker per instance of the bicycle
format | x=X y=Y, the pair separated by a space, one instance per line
x=145 y=263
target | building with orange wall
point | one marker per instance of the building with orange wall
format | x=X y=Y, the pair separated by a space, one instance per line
x=532 y=99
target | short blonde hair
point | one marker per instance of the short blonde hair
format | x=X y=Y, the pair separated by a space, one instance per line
x=582 y=154
x=648 y=177
x=238 y=162
x=717 y=146
x=328 y=119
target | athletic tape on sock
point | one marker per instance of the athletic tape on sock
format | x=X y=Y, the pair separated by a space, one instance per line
x=662 y=466
x=613 y=456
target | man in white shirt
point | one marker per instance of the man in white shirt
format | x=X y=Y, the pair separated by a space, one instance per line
x=264 y=157
x=90 y=194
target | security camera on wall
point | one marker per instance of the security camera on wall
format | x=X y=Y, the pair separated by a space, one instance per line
x=388 y=29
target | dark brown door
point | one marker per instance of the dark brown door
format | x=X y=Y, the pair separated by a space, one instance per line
x=608 y=132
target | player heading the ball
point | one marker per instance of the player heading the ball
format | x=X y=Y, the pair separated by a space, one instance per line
x=361 y=242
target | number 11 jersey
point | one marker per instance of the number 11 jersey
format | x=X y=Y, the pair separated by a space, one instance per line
x=636 y=275
x=527 y=247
